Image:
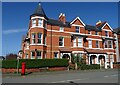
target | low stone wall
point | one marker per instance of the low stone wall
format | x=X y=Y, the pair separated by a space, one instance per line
x=34 y=69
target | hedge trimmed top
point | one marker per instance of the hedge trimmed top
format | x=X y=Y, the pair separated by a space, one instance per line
x=36 y=63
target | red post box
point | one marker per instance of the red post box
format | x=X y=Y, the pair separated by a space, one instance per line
x=23 y=68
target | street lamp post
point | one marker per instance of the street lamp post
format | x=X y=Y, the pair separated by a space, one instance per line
x=18 y=64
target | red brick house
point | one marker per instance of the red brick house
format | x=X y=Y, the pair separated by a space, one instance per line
x=117 y=35
x=49 y=38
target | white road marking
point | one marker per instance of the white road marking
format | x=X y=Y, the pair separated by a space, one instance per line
x=69 y=80
x=114 y=75
x=106 y=76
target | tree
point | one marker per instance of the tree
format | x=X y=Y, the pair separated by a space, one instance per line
x=11 y=56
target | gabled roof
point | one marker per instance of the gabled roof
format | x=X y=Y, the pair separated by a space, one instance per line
x=58 y=23
x=39 y=11
x=78 y=19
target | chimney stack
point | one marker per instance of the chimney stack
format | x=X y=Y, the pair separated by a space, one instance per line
x=98 y=22
x=62 y=18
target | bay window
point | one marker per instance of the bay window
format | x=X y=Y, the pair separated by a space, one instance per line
x=33 y=38
x=40 y=22
x=39 y=38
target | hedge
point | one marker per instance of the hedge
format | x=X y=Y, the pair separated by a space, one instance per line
x=116 y=62
x=87 y=67
x=36 y=63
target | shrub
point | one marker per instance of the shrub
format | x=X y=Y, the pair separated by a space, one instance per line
x=87 y=67
x=35 y=63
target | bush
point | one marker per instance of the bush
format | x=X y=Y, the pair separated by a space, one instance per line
x=36 y=63
x=116 y=62
x=87 y=67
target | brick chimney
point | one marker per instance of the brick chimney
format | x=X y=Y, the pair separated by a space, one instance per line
x=62 y=18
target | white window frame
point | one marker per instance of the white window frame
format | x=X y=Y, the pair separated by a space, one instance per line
x=40 y=22
x=32 y=57
x=106 y=43
x=74 y=42
x=80 y=43
x=33 y=38
x=33 y=22
x=111 y=44
x=26 y=56
x=61 y=29
x=77 y=29
x=98 y=44
x=27 y=45
x=39 y=57
x=61 y=41
x=39 y=38
x=107 y=33
x=90 y=43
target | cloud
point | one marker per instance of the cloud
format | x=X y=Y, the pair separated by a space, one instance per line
x=13 y=31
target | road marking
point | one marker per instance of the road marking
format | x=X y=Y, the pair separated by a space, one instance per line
x=69 y=80
x=114 y=75
x=106 y=76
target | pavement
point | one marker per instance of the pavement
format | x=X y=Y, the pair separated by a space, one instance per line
x=86 y=76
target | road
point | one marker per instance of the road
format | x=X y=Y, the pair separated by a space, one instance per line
x=92 y=76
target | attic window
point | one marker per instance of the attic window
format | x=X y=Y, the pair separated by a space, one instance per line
x=77 y=29
x=89 y=32
x=96 y=33
x=61 y=29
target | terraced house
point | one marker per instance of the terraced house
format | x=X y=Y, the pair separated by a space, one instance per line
x=49 y=38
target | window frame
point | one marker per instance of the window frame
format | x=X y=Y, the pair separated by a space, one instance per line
x=33 y=22
x=56 y=55
x=61 y=29
x=97 y=44
x=32 y=57
x=80 y=45
x=39 y=57
x=77 y=29
x=40 y=23
x=39 y=38
x=61 y=41
x=33 y=38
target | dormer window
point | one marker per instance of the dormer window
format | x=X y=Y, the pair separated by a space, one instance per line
x=89 y=32
x=96 y=33
x=77 y=29
x=61 y=29
x=40 y=22
x=33 y=22
x=106 y=33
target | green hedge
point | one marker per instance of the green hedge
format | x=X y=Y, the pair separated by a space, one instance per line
x=116 y=63
x=35 y=63
x=87 y=67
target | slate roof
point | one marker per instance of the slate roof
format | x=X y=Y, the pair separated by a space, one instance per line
x=95 y=28
x=117 y=30
x=39 y=11
x=91 y=28
x=58 y=23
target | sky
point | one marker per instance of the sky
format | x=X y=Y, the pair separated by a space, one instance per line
x=16 y=15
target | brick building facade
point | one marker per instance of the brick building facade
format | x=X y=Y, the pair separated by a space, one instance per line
x=49 y=38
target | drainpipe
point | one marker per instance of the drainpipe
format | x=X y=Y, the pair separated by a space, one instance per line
x=51 y=41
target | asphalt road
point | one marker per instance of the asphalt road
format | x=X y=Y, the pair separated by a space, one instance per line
x=93 y=76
